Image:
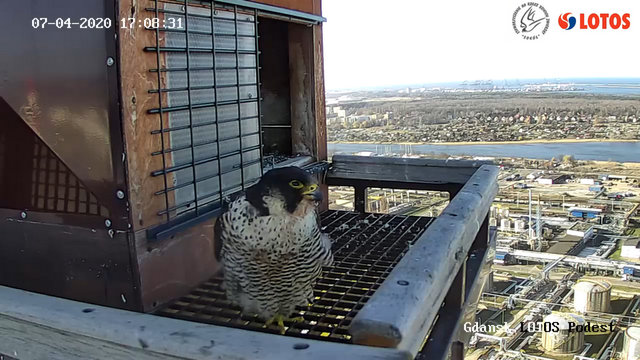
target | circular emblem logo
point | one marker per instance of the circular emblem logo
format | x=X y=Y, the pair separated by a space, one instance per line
x=530 y=20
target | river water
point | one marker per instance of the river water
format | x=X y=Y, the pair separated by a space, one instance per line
x=603 y=151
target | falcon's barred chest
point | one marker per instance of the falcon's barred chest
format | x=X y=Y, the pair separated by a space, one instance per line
x=271 y=262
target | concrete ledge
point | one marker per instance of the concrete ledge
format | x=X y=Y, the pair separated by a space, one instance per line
x=402 y=310
x=34 y=326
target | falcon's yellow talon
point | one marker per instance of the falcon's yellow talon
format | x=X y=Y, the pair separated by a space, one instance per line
x=279 y=319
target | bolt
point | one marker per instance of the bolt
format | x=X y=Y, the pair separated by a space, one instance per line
x=23 y=215
x=120 y=194
x=110 y=61
x=107 y=223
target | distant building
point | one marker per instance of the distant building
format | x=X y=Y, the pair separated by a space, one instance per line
x=618 y=177
x=587 y=181
x=534 y=175
x=552 y=179
x=631 y=249
x=584 y=230
x=584 y=213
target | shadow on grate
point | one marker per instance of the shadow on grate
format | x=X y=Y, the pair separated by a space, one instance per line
x=366 y=248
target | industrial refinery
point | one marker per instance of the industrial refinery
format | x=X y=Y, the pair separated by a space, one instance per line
x=566 y=273
x=565 y=281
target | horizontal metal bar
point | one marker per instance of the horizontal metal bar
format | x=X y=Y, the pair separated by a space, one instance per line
x=201 y=16
x=167 y=230
x=184 y=127
x=198 y=32
x=199 y=50
x=275 y=10
x=198 y=68
x=184 y=147
x=403 y=309
x=276 y=126
x=200 y=162
x=203 y=87
x=183 y=204
x=173 y=188
x=200 y=105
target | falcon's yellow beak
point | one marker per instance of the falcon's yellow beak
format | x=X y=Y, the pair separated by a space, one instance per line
x=312 y=192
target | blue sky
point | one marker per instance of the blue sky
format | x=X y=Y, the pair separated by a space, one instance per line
x=382 y=43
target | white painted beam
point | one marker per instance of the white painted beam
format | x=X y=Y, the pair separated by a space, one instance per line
x=35 y=326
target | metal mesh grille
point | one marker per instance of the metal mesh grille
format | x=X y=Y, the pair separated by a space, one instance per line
x=208 y=104
x=366 y=248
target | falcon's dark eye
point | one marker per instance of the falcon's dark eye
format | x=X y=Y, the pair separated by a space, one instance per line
x=296 y=184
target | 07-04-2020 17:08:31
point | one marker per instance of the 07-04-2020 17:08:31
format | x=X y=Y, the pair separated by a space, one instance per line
x=106 y=23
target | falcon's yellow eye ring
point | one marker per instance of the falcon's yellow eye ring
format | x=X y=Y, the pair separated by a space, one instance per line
x=296 y=184
x=313 y=187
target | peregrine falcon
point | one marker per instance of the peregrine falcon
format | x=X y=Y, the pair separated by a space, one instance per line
x=271 y=247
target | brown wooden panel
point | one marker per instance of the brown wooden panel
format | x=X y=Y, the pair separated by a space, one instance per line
x=171 y=268
x=136 y=80
x=308 y=6
x=73 y=262
x=320 y=111
x=302 y=89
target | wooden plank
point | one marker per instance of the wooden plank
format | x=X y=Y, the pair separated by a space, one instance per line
x=26 y=340
x=171 y=268
x=303 y=126
x=65 y=329
x=136 y=80
x=401 y=170
x=401 y=312
x=319 y=95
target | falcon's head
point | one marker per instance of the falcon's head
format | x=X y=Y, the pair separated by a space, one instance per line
x=288 y=189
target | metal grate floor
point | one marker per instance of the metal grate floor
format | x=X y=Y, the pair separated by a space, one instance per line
x=366 y=248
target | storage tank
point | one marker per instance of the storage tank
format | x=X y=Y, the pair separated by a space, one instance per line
x=591 y=295
x=493 y=222
x=505 y=212
x=563 y=341
x=519 y=226
x=631 y=347
x=505 y=225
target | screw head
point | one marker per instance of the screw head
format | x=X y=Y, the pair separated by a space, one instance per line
x=107 y=223
x=110 y=61
x=120 y=194
x=23 y=215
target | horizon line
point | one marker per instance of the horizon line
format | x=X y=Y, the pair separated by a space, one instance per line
x=423 y=84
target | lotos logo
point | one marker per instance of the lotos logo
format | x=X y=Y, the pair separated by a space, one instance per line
x=595 y=21
x=566 y=22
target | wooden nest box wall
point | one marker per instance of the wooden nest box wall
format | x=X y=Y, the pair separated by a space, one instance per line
x=117 y=143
